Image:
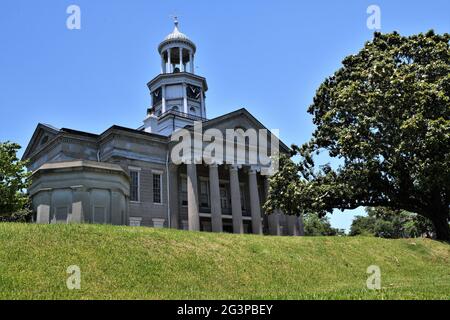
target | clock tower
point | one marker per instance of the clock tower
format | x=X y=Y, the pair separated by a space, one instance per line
x=177 y=93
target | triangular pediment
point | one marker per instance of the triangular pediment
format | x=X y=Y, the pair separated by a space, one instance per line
x=43 y=134
x=239 y=119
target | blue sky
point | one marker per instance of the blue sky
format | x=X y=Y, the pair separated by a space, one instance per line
x=266 y=56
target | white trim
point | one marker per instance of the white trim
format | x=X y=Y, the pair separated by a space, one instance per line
x=158 y=223
x=131 y=168
x=135 y=221
x=169 y=221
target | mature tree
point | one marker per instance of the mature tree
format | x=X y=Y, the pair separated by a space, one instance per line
x=387 y=223
x=363 y=226
x=13 y=181
x=315 y=226
x=385 y=114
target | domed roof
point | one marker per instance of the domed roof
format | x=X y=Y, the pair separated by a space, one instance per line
x=176 y=35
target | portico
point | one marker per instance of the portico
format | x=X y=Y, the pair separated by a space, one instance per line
x=225 y=198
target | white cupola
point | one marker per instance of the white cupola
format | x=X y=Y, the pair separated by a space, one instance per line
x=177 y=52
x=178 y=94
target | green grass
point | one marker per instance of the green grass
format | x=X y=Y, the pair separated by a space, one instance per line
x=145 y=263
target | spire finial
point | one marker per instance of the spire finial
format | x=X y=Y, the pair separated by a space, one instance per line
x=175 y=21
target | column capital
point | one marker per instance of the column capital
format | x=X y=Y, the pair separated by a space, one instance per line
x=234 y=167
x=210 y=161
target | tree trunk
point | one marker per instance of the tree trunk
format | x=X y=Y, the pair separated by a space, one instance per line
x=440 y=222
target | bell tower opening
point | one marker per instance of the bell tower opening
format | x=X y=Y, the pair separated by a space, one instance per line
x=177 y=93
x=179 y=56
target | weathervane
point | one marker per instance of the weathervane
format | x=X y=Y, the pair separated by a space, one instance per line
x=175 y=19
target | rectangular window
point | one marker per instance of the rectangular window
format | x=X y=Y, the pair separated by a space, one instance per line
x=224 y=198
x=184 y=201
x=134 y=187
x=204 y=194
x=157 y=186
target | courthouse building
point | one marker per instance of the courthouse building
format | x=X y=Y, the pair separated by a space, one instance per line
x=127 y=176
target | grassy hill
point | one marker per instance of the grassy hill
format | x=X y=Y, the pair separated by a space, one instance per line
x=144 y=263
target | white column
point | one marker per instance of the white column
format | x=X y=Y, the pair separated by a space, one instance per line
x=43 y=214
x=214 y=190
x=236 y=205
x=163 y=92
x=255 y=204
x=169 y=59
x=192 y=195
x=185 y=104
x=181 y=60
x=173 y=196
x=163 y=63
x=191 y=61
x=202 y=105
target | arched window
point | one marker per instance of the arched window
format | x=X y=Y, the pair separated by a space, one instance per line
x=175 y=108
x=193 y=110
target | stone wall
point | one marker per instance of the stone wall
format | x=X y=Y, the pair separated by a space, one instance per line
x=80 y=191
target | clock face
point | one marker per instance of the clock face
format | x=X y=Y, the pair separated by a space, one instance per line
x=194 y=92
x=157 y=96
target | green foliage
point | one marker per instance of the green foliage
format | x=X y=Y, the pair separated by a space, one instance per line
x=386 y=223
x=316 y=226
x=386 y=115
x=14 y=179
x=363 y=226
